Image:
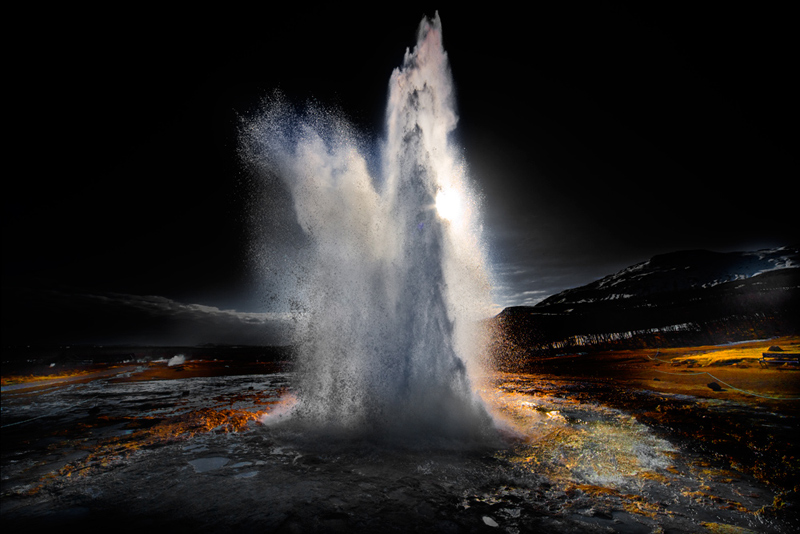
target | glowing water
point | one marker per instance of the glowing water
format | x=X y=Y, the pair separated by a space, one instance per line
x=394 y=282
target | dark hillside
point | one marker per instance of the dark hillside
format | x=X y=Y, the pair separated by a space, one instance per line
x=683 y=299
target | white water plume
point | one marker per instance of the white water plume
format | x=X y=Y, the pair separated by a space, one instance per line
x=392 y=279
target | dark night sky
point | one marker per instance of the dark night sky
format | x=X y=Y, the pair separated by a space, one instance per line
x=599 y=137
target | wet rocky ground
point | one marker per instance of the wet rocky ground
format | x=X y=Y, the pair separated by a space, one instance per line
x=148 y=446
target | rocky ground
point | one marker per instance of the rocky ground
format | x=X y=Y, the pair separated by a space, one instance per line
x=615 y=442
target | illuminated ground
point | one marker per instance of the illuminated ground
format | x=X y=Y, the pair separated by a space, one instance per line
x=623 y=442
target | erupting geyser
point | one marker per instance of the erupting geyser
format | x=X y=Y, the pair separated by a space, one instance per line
x=393 y=281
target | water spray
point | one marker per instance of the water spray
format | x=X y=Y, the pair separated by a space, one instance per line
x=394 y=282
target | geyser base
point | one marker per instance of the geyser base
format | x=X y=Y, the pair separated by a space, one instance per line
x=457 y=426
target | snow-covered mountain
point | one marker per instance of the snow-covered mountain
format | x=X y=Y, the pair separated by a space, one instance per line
x=680 y=298
x=678 y=271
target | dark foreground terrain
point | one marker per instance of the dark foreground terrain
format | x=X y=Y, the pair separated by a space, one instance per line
x=628 y=441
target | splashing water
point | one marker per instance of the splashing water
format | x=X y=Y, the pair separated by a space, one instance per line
x=393 y=283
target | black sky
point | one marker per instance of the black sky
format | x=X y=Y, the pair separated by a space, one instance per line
x=599 y=135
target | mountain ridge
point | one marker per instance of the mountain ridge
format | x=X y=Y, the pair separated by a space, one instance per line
x=685 y=270
x=680 y=298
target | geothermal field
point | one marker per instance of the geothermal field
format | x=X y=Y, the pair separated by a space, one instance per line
x=395 y=404
x=615 y=443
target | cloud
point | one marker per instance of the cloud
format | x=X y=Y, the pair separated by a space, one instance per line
x=528 y=298
x=73 y=316
x=166 y=307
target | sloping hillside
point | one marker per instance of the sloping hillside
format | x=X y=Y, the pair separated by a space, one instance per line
x=683 y=298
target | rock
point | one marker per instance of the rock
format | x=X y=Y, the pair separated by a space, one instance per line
x=201 y=465
x=715 y=386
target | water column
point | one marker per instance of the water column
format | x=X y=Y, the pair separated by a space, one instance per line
x=394 y=282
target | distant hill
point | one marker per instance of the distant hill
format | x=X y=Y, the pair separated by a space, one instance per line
x=682 y=298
